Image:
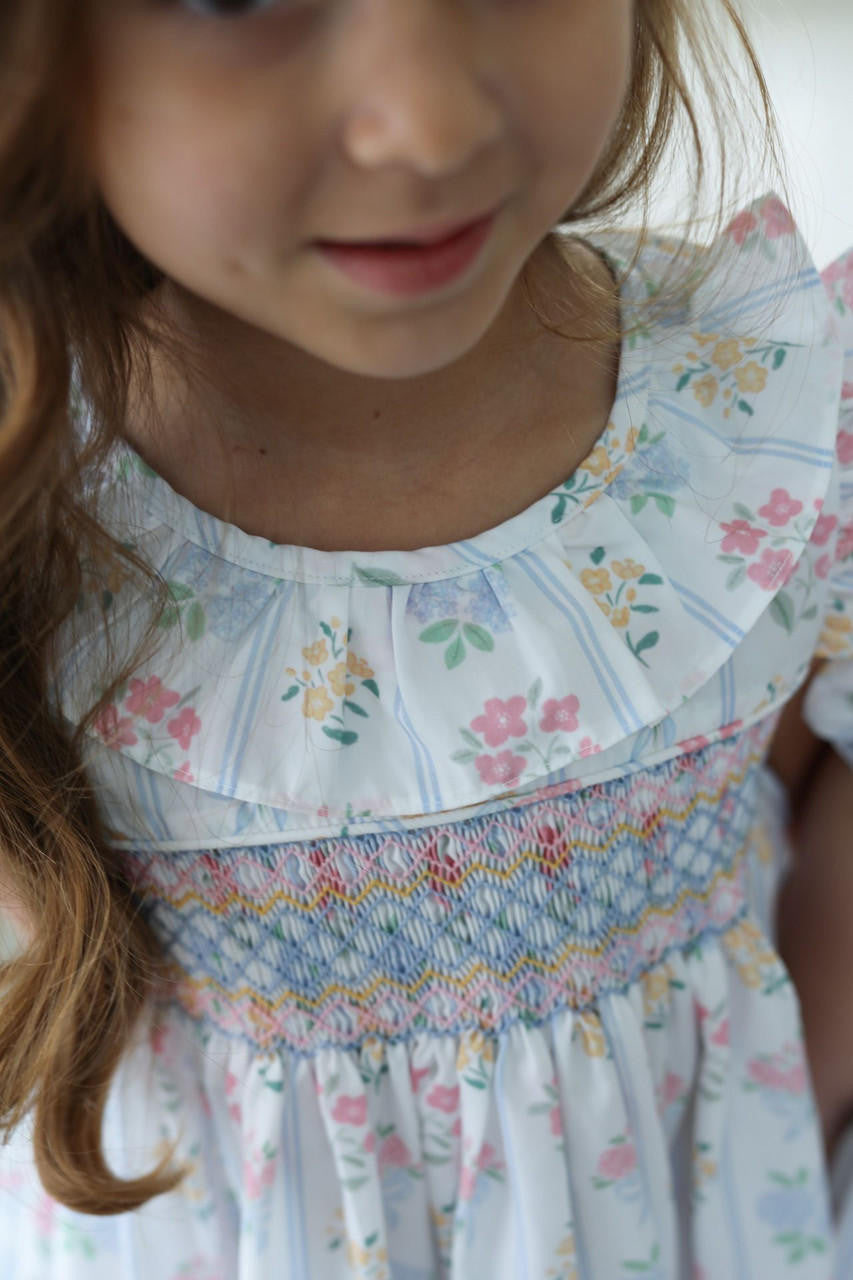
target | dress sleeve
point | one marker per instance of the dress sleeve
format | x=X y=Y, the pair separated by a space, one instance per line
x=829 y=704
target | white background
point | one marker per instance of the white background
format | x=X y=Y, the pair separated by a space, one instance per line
x=806 y=48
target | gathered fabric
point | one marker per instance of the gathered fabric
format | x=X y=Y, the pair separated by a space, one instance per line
x=464 y=859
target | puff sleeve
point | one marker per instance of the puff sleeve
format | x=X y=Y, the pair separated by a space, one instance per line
x=829 y=705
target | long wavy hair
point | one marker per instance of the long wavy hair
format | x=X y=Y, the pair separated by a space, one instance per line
x=71 y=284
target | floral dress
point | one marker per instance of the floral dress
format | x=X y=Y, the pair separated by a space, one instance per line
x=464 y=857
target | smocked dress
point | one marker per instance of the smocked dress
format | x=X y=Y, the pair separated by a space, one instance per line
x=464 y=857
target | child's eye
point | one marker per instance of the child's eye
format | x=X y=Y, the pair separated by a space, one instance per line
x=233 y=8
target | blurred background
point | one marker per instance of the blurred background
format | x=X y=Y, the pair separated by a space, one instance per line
x=806 y=48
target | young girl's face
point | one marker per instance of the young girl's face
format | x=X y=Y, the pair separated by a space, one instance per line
x=225 y=147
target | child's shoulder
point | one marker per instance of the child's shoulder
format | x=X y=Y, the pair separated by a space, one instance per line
x=757 y=275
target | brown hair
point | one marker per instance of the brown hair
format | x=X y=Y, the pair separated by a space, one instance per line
x=70 y=288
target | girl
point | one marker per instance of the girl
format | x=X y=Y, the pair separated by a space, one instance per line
x=396 y=644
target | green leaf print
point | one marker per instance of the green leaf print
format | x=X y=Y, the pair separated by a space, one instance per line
x=650 y=580
x=439 y=632
x=598 y=555
x=353 y=706
x=291 y=693
x=664 y=504
x=343 y=736
x=779 y=358
x=479 y=637
x=746 y=408
x=455 y=654
x=379 y=577
x=638 y=502
x=783 y=612
x=648 y=641
x=178 y=591
x=196 y=621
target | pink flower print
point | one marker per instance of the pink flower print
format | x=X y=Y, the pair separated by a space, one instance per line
x=777 y=220
x=729 y=731
x=456 y=1131
x=443 y=1098
x=618 y=1161
x=773 y=570
x=45 y=1216
x=845 y=441
x=231 y=1083
x=844 y=547
x=673 y=1088
x=369 y=1143
x=847 y=394
x=501 y=720
x=693 y=744
x=416 y=1075
x=184 y=774
x=555 y=1119
x=823 y=530
x=184 y=727
x=349 y=1110
x=781 y=508
x=560 y=715
x=394 y=1153
x=255 y=1183
x=157 y=1039
x=505 y=768
x=467 y=1182
x=823 y=567
x=148 y=698
x=235 y=1111
x=487 y=1158
x=740 y=536
x=769 y=1075
x=115 y=733
x=588 y=747
x=721 y=1035
x=740 y=227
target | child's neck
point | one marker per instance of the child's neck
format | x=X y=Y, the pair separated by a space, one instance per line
x=420 y=469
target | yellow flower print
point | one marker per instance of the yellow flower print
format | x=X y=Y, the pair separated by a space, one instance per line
x=338 y=681
x=598 y=461
x=620 y=617
x=630 y=595
x=316 y=653
x=705 y=390
x=752 y=377
x=704 y=338
x=631 y=441
x=335 y=622
x=317 y=704
x=567 y=1261
x=357 y=667
x=597 y=581
x=727 y=354
x=473 y=1044
x=357 y=1255
x=655 y=989
x=605 y=608
x=627 y=569
x=592 y=1034
x=836 y=635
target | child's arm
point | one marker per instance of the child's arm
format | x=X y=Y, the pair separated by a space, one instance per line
x=815 y=912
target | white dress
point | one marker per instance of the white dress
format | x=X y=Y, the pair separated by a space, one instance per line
x=465 y=856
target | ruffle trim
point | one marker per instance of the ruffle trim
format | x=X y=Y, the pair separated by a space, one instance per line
x=418 y=682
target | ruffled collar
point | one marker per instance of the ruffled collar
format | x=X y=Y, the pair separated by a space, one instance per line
x=334 y=684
